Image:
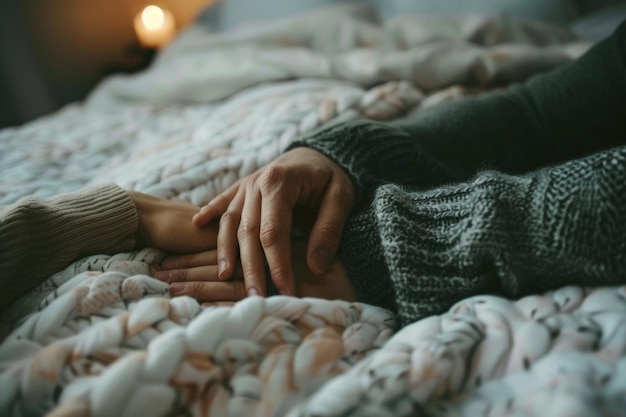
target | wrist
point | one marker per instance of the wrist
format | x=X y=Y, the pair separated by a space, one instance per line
x=144 y=206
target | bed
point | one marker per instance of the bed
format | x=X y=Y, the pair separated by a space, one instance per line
x=103 y=338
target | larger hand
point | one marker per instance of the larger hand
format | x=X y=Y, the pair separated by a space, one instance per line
x=257 y=215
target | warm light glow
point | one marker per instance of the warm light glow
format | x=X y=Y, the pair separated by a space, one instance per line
x=153 y=17
x=155 y=27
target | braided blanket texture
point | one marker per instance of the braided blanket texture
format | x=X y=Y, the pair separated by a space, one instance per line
x=102 y=338
x=114 y=343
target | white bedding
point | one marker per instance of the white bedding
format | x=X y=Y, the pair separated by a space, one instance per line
x=108 y=340
x=203 y=87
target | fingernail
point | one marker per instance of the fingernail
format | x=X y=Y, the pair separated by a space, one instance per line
x=178 y=288
x=283 y=292
x=322 y=259
x=252 y=292
x=222 y=268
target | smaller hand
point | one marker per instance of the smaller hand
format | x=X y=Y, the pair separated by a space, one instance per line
x=195 y=275
x=164 y=224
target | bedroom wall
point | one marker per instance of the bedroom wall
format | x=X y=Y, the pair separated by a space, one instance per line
x=55 y=51
x=79 y=39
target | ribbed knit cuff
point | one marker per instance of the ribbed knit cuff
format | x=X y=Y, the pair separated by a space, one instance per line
x=98 y=219
x=42 y=236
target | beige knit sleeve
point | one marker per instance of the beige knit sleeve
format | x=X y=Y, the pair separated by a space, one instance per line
x=39 y=237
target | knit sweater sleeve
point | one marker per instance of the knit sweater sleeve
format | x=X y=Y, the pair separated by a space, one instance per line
x=42 y=236
x=567 y=113
x=418 y=252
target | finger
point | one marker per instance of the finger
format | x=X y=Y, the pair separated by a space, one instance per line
x=218 y=304
x=250 y=251
x=191 y=260
x=210 y=291
x=216 y=207
x=201 y=273
x=326 y=233
x=227 y=242
x=275 y=237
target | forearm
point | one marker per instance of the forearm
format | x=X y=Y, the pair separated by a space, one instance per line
x=42 y=236
x=419 y=252
x=569 y=112
x=558 y=226
x=575 y=110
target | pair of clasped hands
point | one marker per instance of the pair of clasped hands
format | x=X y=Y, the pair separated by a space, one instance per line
x=224 y=250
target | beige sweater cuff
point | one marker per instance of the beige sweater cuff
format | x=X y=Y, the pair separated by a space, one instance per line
x=42 y=236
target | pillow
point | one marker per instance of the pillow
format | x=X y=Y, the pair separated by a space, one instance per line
x=601 y=24
x=227 y=14
x=555 y=11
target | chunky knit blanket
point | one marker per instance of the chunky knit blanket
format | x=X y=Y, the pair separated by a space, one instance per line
x=115 y=343
x=102 y=338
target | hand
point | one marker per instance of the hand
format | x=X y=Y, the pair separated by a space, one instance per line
x=257 y=214
x=164 y=224
x=195 y=275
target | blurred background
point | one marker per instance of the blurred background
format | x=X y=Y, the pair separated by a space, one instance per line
x=54 y=51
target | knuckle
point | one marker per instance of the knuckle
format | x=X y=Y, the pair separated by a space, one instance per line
x=246 y=229
x=270 y=234
x=271 y=177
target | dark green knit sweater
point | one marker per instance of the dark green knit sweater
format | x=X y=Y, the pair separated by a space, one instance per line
x=475 y=197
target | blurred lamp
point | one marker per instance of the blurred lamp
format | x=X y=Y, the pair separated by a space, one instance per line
x=155 y=27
